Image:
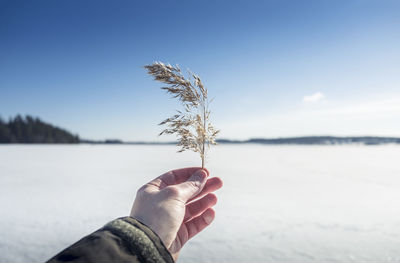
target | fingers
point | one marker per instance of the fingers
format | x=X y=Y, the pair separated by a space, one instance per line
x=192 y=186
x=211 y=185
x=194 y=226
x=199 y=206
x=183 y=174
x=197 y=224
x=175 y=177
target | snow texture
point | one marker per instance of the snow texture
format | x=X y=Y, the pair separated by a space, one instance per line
x=278 y=204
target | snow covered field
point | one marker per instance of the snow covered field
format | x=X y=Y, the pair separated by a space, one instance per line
x=278 y=204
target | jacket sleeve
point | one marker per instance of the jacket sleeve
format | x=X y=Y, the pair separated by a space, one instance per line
x=122 y=240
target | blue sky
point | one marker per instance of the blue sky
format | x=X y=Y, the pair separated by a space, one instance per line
x=274 y=68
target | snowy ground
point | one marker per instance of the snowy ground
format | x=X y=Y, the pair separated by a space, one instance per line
x=279 y=203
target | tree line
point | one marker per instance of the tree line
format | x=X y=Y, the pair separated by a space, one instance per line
x=33 y=130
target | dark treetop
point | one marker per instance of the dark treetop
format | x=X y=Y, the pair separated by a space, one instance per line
x=33 y=130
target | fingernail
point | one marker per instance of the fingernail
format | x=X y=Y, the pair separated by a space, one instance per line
x=199 y=175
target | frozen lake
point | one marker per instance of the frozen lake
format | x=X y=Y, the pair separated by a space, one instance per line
x=278 y=204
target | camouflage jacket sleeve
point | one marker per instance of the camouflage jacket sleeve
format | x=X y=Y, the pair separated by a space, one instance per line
x=121 y=240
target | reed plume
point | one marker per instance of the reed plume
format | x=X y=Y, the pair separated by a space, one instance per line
x=191 y=125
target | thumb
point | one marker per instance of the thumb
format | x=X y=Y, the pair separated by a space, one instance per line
x=193 y=185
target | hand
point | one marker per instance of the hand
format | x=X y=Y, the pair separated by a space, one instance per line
x=177 y=205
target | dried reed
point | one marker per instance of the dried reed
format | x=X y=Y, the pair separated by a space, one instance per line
x=192 y=125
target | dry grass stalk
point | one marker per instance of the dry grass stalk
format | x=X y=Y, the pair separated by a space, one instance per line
x=192 y=125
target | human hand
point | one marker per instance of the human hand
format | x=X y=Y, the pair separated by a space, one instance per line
x=177 y=205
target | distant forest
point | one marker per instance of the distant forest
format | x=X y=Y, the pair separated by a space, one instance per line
x=32 y=130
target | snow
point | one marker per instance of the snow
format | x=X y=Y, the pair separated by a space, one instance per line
x=278 y=203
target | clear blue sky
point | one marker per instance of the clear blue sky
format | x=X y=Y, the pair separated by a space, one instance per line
x=275 y=68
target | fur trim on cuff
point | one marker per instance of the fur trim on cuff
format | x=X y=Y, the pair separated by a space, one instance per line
x=140 y=239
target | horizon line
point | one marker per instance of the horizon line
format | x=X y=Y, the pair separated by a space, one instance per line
x=312 y=139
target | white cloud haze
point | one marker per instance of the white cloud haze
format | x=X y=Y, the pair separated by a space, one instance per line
x=363 y=117
x=314 y=97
